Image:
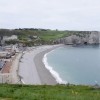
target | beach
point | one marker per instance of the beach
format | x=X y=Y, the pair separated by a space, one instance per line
x=32 y=69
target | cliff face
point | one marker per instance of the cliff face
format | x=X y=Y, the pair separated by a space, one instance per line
x=88 y=38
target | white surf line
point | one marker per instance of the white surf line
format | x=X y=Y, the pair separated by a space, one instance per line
x=52 y=71
x=22 y=81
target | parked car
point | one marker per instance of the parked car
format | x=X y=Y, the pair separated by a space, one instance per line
x=8 y=56
x=13 y=53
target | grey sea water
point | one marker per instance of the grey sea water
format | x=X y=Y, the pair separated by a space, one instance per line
x=76 y=65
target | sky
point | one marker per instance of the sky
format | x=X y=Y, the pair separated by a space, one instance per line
x=50 y=14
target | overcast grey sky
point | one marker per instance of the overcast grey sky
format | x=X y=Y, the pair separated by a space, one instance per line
x=51 y=14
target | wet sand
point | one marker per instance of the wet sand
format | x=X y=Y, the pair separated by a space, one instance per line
x=44 y=74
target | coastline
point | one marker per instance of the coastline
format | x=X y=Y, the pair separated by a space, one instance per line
x=45 y=76
x=31 y=68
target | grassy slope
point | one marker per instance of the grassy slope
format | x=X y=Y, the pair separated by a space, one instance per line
x=58 y=92
x=49 y=35
x=52 y=35
x=44 y=35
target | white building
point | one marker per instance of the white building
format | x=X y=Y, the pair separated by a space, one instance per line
x=7 y=38
x=11 y=48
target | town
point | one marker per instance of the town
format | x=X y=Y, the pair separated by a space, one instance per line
x=8 y=54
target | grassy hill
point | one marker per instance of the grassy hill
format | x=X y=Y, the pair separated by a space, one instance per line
x=44 y=92
x=45 y=36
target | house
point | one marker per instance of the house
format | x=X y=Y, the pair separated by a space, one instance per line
x=3 y=54
x=11 y=48
x=7 y=38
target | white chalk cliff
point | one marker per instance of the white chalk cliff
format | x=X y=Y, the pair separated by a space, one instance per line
x=88 y=38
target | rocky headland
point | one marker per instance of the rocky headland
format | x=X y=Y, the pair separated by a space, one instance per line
x=81 y=38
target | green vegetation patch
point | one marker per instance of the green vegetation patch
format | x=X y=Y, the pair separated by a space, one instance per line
x=46 y=92
x=42 y=36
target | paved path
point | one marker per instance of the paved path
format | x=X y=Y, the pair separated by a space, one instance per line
x=14 y=69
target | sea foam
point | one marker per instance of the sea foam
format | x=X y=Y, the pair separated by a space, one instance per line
x=52 y=71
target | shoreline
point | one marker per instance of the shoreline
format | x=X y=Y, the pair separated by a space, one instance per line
x=45 y=76
x=31 y=68
x=50 y=68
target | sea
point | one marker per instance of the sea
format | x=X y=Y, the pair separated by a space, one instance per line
x=78 y=65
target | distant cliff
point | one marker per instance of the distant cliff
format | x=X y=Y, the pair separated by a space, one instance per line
x=33 y=36
x=81 y=38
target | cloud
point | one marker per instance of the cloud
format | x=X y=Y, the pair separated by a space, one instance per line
x=54 y=14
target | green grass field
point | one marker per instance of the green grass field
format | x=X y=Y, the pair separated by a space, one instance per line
x=44 y=35
x=44 y=92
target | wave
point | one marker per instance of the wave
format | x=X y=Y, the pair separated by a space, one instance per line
x=52 y=71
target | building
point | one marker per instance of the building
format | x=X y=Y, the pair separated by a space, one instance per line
x=7 y=38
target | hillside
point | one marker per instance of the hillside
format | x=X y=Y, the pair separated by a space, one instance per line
x=44 y=92
x=46 y=36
